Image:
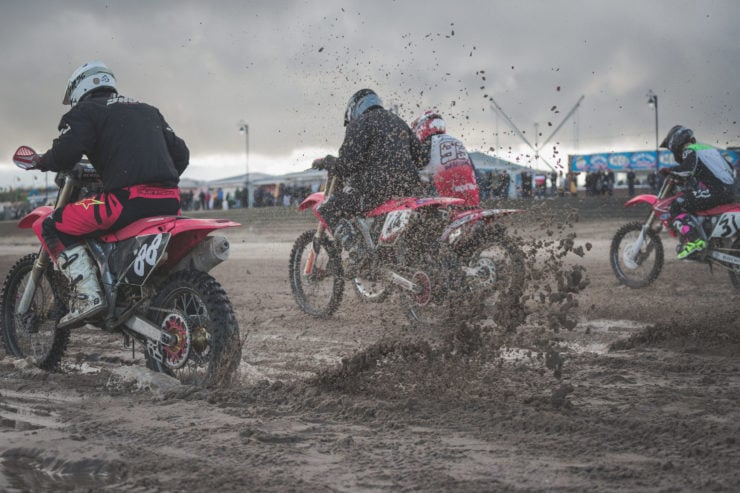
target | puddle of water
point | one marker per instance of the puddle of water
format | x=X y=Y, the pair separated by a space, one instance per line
x=17 y=413
x=607 y=325
x=590 y=336
x=24 y=470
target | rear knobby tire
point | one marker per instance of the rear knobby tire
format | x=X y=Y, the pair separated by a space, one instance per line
x=646 y=265
x=319 y=293
x=496 y=293
x=735 y=273
x=212 y=349
x=35 y=334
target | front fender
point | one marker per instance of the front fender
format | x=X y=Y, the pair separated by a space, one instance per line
x=39 y=213
x=642 y=199
x=312 y=201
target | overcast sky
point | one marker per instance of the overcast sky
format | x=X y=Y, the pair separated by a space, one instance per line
x=287 y=68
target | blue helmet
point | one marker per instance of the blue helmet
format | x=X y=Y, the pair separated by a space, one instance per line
x=360 y=102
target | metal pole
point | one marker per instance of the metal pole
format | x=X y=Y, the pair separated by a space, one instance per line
x=657 y=148
x=247 y=192
x=653 y=101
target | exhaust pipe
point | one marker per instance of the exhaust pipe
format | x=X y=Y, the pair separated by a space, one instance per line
x=206 y=255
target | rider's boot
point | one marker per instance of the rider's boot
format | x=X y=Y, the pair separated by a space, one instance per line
x=692 y=241
x=349 y=240
x=86 y=297
x=344 y=233
x=692 y=247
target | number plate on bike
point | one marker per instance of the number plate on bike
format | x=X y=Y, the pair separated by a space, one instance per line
x=395 y=223
x=141 y=255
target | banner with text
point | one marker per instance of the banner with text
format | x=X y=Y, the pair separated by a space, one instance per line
x=637 y=160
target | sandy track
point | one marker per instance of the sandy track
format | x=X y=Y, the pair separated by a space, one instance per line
x=406 y=411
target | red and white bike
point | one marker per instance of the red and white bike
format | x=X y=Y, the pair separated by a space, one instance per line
x=442 y=260
x=637 y=255
x=154 y=274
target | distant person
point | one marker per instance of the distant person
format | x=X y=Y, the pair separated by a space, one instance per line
x=652 y=180
x=505 y=184
x=447 y=161
x=202 y=200
x=139 y=159
x=631 y=182
x=526 y=178
x=709 y=179
x=610 y=182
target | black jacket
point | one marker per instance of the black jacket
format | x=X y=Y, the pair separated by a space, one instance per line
x=380 y=157
x=128 y=143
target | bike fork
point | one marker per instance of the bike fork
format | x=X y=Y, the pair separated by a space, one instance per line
x=39 y=266
x=308 y=269
x=641 y=237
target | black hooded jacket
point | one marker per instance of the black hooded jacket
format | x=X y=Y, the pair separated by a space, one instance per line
x=128 y=142
x=380 y=157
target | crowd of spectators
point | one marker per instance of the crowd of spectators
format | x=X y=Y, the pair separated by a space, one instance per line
x=493 y=185
x=264 y=196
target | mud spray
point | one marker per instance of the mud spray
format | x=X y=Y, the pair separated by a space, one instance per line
x=457 y=363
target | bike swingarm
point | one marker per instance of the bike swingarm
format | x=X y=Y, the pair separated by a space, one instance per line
x=148 y=330
x=724 y=258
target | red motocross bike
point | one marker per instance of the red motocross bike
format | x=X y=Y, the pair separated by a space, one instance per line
x=154 y=274
x=636 y=252
x=444 y=261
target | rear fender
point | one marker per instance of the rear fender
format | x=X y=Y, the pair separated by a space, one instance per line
x=474 y=216
x=186 y=233
x=413 y=203
x=174 y=225
x=720 y=209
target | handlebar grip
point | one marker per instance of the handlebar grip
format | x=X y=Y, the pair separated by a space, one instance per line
x=86 y=172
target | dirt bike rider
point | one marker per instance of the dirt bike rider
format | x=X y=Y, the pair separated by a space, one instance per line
x=378 y=160
x=449 y=164
x=139 y=159
x=710 y=182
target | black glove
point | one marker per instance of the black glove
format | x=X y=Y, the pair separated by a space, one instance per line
x=37 y=163
x=328 y=163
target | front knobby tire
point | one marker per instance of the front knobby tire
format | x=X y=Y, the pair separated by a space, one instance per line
x=319 y=292
x=208 y=349
x=636 y=269
x=34 y=334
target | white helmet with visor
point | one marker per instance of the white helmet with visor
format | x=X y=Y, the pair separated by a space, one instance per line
x=88 y=77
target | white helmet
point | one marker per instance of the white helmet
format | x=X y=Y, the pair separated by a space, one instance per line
x=87 y=77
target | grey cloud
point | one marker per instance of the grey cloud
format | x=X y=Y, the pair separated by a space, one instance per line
x=289 y=67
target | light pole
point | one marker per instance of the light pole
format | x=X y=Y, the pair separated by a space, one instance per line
x=653 y=102
x=244 y=128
